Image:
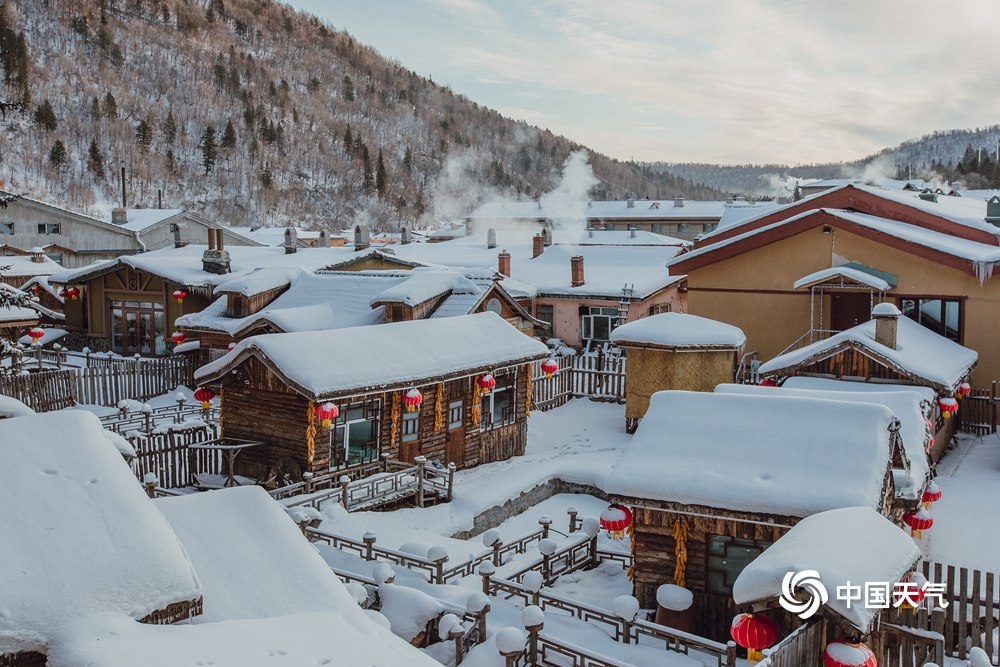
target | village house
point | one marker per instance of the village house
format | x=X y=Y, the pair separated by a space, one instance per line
x=67 y=493
x=880 y=552
x=714 y=479
x=887 y=350
x=675 y=351
x=583 y=287
x=454 y=390
x=820 y=265
x=73 y=240
x=678 y=218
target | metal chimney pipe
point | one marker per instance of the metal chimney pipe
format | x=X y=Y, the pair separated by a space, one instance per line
x=123 y=183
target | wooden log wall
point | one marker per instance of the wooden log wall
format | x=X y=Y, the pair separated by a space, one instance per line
x=655 y=560
x=852 y=363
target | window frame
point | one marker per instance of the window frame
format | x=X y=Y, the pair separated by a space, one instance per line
x=410 y=427
x=588 y=322
x=918 y=308
x=371 y=411
x=6 y=228
x=506 y=386
x=49 y=228
x=456 y=414
x=712 y=558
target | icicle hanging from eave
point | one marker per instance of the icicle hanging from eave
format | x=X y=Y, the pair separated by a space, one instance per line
x=983 y=271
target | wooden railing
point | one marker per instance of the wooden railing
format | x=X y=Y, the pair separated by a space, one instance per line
x=582 y=375
x=170 y=458
x=802 y=648
x=148 y=419
x=140 y=379
x=977 y=413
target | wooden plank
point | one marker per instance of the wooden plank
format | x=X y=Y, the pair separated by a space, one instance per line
x=963 y=605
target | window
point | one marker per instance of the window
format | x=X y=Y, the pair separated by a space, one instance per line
x=355 y=438
x=683 y=227
x=49 y=228
x=6 y=227
x=544 y=312
x=55 y=257
x=609 y=226
x=599 y=323
x=726 y=557
x=710 y=226
x=657 y=308
x=411 y=426
x=497 y=407
x=137 y=327
x=216 y=353
x=942 y=316
x=656 y=228
x=456 y=414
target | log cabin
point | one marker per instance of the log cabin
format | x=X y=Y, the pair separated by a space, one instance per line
x=714 y=479
x=272 y=384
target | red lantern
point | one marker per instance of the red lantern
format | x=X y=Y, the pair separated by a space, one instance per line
x=918 y=521
x=35 y=333
x=178 y=337
x=205 y=395
x=179 y=294
x=949 y=406
x=754 y=632
x=486 y=383
x=932 y=494
x=615 y=519
x=72 y=293
x=231 y=346
x=412 y=399
x=327 y=413
x=549 y=367
x=963 y=390
x=36 y=289
x=846 y=654
x=911 y=590
x=767 y=382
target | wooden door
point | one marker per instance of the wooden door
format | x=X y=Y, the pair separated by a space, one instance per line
x=409 y=451
x=849 y=309
x=455 y=442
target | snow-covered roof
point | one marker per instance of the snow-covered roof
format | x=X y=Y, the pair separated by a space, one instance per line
x=920 y=353
x=11 y=407
x=79 y=534
x=423 y=285
x=904 y=404
x=23 y=266
x=852 y=545
x=345 y=638
x=139 y=219
x=272 y=236
x=609 y=210
x=679 y=330
x=258 y=281
x=845 y=272
x=16 y=314
x=183 y=266
x=827 y=384
x=322 y=364
x=280 y=575
x=756 y=453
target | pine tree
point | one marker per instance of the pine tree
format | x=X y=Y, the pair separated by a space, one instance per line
x=143 y=135
x=110 y=106
x=348 y=89
x=45 y=117
x=348 y=140
x=209 y=149
x=380 y=175
x=10 y=352
x=368 y=181
x=57 y=155
x=169 y=128
x=95 y=159
x=229 y=136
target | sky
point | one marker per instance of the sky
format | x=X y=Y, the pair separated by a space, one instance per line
x=734 y=82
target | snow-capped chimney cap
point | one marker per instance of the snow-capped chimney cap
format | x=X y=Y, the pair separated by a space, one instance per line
x=886 y=309
x=119 y=216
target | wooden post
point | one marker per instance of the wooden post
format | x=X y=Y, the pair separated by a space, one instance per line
x=572 y=512
x=533 y=631
x=439 y=569
x=937 y=625
x=451 y=480
x=345 y=483
x=385 y=461
x=593 y=551
x=369 y=540
x=486 y=571
x=730 y=653
x=547 y=568
x=307 y=479
x=544 y=521
x=457 y=634
x=481 y=622
x=150 y=481
x=421 y=462
x=993 y=406
x=496 y=552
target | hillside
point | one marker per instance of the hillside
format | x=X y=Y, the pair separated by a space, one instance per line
x=965 y=157
x=250 y=112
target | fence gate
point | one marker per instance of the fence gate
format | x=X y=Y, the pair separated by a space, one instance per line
x=977 y=414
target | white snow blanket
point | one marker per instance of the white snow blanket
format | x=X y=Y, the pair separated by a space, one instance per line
x=679 y=330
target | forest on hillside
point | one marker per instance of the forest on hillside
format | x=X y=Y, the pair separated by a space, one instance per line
x=249 y=112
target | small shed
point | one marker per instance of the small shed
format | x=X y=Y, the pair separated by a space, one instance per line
x=714 y=479
x=675 y=351
x=272 y=384
x=879 y=552
x=80 y=537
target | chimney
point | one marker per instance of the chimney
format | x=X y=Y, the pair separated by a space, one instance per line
x=362 y=240
x=324 y=239
x=291 y=237
x=37 y=255
x=886 y=316
x=537 y=245
x=216 y=258
x=576 y=270
x=993 y=210
x=118 y=216
x=406 y=237
x=632 y=232
x=491 y=238
x=503 y=263
x=630 y=203
x=179 y=230
x=547 y=236
x=678 y=202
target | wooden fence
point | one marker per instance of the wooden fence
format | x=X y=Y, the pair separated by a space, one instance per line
x=595 y=376
x=170 y=457
x=977 y=413
x=138 y=379
x=802 y=648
